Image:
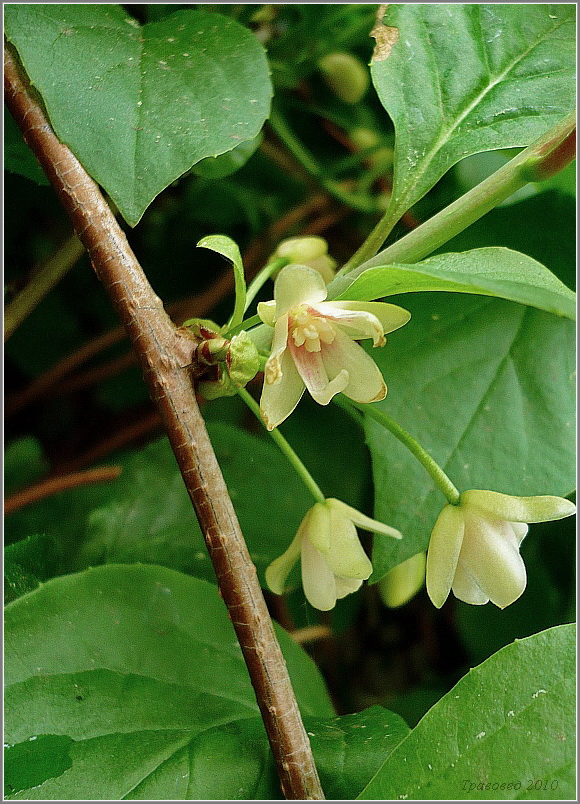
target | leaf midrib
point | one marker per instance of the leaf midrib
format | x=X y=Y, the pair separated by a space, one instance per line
x=446 y=134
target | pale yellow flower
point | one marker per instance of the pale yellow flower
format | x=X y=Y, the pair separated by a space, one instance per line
x=309 y=250
x=313 y=344
x=475 y=546
x=334 y=563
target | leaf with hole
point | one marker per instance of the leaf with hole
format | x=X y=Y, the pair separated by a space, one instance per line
x=463 y=78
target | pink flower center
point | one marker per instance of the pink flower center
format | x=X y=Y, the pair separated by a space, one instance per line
x=309 y=329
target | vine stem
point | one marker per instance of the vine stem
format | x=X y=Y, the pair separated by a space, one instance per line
x=544 y=158
x=166 y=354
x=54 y=485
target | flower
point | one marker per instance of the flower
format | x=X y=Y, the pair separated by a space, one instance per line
x=334 y=563
x=312 y=344
x=475 y=546
x=402 y=583
x=309 y=250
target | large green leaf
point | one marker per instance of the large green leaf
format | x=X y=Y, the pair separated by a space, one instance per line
x=234 y=762
x=464 y=78
x=150 y=518
x=139 y=105
x=132 y=663
x=487 y=386
x=487 y=271
x=507 y=724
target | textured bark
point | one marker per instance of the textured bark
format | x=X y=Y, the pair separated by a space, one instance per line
x=165 y=354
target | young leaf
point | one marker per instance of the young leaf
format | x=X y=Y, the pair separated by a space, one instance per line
x=140 y=105
x=158 y=641
x=229 y=249
x=485 y=271
x=507 y=724
x=457 y=79
x=487 y=387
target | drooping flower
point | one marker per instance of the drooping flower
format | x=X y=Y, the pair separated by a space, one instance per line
x=334 y=563
x=313 y=344
x=475 y=546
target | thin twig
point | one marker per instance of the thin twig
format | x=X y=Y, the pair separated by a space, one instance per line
x=54 y=485
x=42 y=279
x=165 y=354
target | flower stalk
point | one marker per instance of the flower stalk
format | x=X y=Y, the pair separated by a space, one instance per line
x=439 y=477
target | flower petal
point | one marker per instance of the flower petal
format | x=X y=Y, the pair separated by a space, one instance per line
x=345 y=586
x=465 y=587
x=519 y=509
x=443 y=555
x=357 y=325
x=346 y=557
x=364 y=521
x=279 y=570
x=313 y=372
x=296 y=285
x=261 y=336
x=279 y=399
x=317 y=578
x=490 y=553
x=403 y=582
x=316 y=527
x=365 y=381
x=267 y=312
x=520 y=530
x=389 y=316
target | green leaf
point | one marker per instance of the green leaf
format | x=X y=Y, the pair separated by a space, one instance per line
x=487 y=387
x=216 y=167
x=234 y=762
x=544 y=227
x=32 y=762
x=158 y=641
x=229 y=249
x=508 y=722
x=18 y=158
x=463 y=78
x=29 y=562
x=149 y=516
x=140 y=105
x=485 y=271
x=24 y=463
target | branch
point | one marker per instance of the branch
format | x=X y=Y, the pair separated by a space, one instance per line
x=54 y=485
x=165 y=355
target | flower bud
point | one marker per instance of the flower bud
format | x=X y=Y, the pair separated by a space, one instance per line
x=346 y=75
x=310 y=251
x=403 y=582
x=243 y=360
